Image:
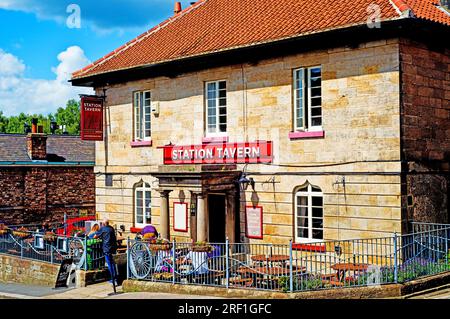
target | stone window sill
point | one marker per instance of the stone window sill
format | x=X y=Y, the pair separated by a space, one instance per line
x=304 y=135
x=141 y=143
x=215 y=139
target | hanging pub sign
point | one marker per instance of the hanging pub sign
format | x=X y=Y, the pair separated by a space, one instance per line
x=220 y=153
x=91 y=118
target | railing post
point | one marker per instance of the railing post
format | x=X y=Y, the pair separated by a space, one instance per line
x=65 y=224
x=291 y=268
x=227 y=261
x=51 y=253
x=21 y=248
x=446 y=245
x=174 y=262
x=128 y=258
x=86 y=253
x=395 y=259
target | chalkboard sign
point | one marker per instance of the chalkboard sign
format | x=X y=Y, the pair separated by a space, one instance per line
x=63 y=274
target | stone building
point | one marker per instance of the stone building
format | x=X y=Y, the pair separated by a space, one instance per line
x=332 y=125
x=42 y=177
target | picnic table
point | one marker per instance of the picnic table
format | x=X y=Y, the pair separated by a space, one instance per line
x=265 y=275
x=270 y=260
x=341 y=272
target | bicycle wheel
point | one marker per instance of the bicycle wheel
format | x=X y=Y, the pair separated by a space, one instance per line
x=141 y=260
x=77 y=251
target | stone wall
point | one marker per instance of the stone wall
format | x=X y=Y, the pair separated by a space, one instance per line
x=361 y=105
x=38 y=194
x=425 y=111
x=16 y=270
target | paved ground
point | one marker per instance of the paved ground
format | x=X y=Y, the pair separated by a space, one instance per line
x=441 y=294
x=98 y=291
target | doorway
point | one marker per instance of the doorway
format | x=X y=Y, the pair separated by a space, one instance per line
x=217 y=218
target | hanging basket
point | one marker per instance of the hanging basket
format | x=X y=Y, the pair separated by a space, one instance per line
x=50 y=237
x=4 y=230
x=22 y=234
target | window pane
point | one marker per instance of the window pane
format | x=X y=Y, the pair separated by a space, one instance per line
x=316 y=82
x=302 y=232
x=316 y=111
x=139 y=215
x=222 y=102
x=317 y=223
x=316 y=92
x=139 y=196
x=317 y=234
x=316 y=189
x=212 y=86
x=316 y=122
x=222 y=85
x=302 y=201
x=302 y=222
x=316 y=101
x=222 y=94
x=317 y=201
x=315 y=72
x=223 y=128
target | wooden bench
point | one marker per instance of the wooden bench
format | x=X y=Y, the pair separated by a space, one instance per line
x=241 y=282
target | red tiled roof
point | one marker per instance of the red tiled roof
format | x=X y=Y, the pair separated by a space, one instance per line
x=211 y=26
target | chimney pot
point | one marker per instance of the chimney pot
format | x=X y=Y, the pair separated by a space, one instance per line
x=34 y=123
x=177 y=8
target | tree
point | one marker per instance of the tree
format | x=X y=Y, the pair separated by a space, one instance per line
x=68 y=117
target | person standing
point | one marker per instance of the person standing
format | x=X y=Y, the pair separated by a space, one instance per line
x=108 y=236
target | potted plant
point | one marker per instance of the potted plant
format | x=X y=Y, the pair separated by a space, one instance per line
x=21 y=233
x=202 y=247
x=77 y=232
x=4 y=230
x=160 y=244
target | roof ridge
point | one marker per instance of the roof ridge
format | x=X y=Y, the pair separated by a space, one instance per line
x=402 y=8
x=138 y=39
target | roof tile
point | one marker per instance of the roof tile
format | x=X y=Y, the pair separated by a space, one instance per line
x=211 y=26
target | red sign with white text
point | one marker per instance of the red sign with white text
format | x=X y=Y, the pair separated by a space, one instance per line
x=91 y=118
x=219 y=153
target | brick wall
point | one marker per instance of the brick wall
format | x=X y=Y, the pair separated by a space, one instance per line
x=29 y=195
x=425 y=102
x=425 y=128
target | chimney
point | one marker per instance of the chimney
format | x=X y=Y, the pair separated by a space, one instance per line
x=36 y=143
x=177 y=8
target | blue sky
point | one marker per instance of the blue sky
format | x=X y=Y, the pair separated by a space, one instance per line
x=38 y=50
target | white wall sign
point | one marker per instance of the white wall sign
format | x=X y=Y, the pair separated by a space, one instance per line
x=180 y=217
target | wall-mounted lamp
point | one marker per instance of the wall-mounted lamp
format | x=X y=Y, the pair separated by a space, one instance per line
x=244 y=182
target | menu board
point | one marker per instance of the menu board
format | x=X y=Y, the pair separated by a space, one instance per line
x=180 y=217
x=254 y=222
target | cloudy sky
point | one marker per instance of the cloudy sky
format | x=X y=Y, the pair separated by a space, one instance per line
x=41 y=45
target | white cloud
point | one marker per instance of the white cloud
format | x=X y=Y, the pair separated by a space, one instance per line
x=10 y=65
x=34 y=96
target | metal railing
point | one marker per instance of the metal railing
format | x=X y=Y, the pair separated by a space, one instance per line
x=86 y=253
x=293 y=267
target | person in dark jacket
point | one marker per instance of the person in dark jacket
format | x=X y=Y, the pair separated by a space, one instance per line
x=108 y=237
